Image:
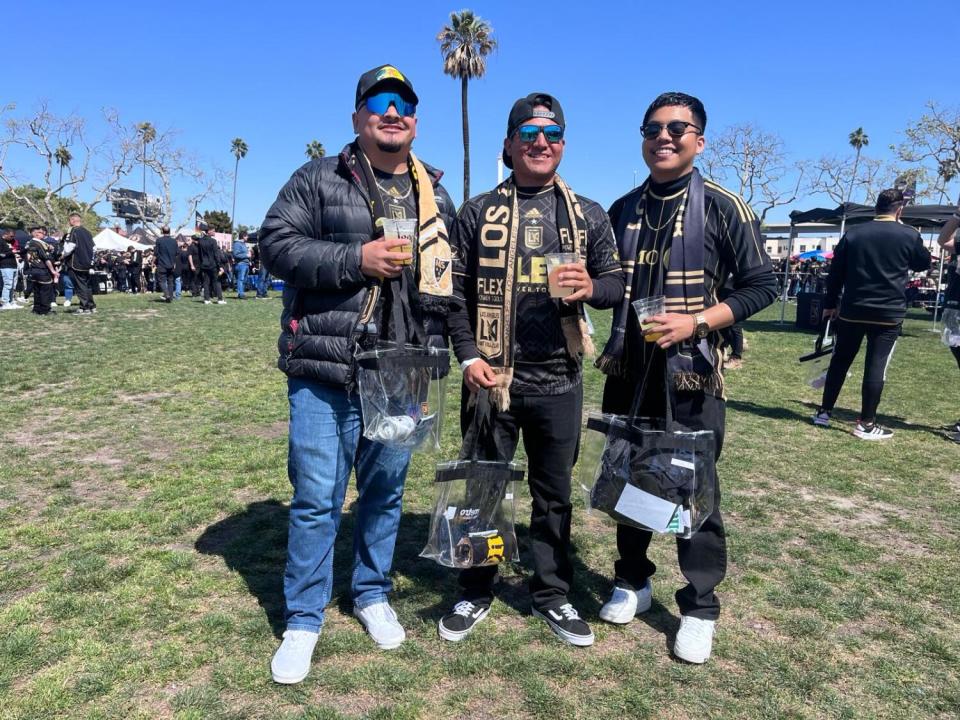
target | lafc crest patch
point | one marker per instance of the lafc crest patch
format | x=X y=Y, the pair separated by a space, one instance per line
x=490 y=330
x=533 y=237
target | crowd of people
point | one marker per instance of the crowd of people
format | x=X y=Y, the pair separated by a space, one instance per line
x=45 y=268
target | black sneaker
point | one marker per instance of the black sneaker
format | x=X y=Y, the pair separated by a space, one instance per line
x=460 y=622
x=951 y=427
x=565 y=622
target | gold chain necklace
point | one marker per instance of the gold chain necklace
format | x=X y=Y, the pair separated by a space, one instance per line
x=385 y=192
x=658 y=228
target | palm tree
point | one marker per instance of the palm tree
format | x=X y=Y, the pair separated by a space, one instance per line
x=858 y=140
x=315 y=150
x=63 y=158
x=239 y=149
x=147 y=134
x=465 y=44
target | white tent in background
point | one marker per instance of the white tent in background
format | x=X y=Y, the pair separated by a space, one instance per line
x=107 y=239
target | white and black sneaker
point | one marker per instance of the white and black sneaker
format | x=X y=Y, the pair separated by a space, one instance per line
x=566 y=624
x=460 y=622
x=871 y=431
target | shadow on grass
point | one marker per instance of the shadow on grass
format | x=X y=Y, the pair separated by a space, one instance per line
x=804 y=415
x=253 y=544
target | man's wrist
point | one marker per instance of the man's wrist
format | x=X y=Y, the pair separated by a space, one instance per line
x=467 y=363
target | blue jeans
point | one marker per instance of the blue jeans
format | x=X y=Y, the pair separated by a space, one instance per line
x=67 y=286
x=9 y=276
x=263 y=281
x=241 y=274
x=326 y=443
x=177 y=286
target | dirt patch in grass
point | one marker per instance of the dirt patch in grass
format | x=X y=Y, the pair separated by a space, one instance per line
x=44 y=389
x=273 y=431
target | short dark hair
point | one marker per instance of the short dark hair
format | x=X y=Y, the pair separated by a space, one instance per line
x=165 y=230
x=38 y=227
x=75 y=214
x=243 y=234
x=670 y=99
x=889 y=200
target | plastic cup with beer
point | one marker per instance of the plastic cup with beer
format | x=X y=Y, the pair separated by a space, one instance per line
x=406 y=230
x=554 y=263
x=646 y=308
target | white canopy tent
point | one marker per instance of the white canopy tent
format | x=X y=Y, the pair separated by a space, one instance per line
x=108 y=239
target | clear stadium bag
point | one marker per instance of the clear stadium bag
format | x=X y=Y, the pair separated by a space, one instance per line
x=401 y=394
x=816 y=364
x=649 y=472
x=472 y=523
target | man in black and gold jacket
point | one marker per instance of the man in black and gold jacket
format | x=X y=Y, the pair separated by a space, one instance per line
x=524 y=347
x=680 y=236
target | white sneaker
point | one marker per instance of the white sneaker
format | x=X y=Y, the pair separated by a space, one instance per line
x=206 y=302
x=66 y=303
x=381 y=622
x=625 y=604
x=221 y=302
x=694 y=639
x=291 y=662
x=821 y=418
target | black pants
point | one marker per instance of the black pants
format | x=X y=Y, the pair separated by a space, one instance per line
x=168 y=282
x=81 y=286
x=956 y=354
x=133 y=279
x=702 y=558
x=551 y=434
x=44 y=296
x=733 y=338
x=211 y=282
x=881 y=340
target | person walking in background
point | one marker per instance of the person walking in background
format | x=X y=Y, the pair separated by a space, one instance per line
x=78 y=256
x=43 y=274
x=8 y=271
x=870 y=265
x=210 y=256
x=263 y=274
x=167 y=259
x=951 y=302
x=241 y=262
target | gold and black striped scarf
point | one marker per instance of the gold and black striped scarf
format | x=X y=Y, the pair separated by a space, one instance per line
x=495 y=276
x=691 y=364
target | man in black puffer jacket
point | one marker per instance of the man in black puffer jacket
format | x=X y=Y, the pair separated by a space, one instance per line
x=343 y=286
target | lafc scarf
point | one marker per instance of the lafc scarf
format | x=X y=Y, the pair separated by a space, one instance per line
x=434 y=267
x=691 y=365
x=496 y=302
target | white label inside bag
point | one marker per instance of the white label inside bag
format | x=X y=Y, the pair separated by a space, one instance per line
x=686 y=465
x=645 y=508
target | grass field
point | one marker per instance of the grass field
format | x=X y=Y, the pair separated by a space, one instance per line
x=143 y=511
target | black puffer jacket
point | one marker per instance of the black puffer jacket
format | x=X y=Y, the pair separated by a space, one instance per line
x=311 y=239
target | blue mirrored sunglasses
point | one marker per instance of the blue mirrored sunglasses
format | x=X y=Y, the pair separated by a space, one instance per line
x=528 y=133
x=379 y=103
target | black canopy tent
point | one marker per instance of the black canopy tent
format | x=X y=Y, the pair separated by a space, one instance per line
x=922 y=217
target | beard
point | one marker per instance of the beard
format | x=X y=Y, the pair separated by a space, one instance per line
x=391 y=146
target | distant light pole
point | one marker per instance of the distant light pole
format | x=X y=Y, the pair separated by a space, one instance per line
x=635 y=177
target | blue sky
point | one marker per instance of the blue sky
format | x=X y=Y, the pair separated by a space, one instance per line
x=282 y=74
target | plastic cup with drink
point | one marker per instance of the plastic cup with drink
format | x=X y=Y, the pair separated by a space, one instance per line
x=555 y=262
x=406 y=230
x=646 y=308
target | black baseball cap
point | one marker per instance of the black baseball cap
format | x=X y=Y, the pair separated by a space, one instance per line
x=525 y=108
x=384 y=75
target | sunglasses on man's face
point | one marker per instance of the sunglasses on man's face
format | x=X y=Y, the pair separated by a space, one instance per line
x=676 y=129
x=379 y=104
x=529 y=133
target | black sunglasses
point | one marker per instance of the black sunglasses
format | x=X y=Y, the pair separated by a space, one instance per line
x=676 y=128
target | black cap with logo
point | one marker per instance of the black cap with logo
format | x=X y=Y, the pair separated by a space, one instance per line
x=526 y=108
x=384 y=75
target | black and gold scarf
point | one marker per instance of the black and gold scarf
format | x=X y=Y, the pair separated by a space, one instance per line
x=495 y=276
x=434 y=267
x=691 y=365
